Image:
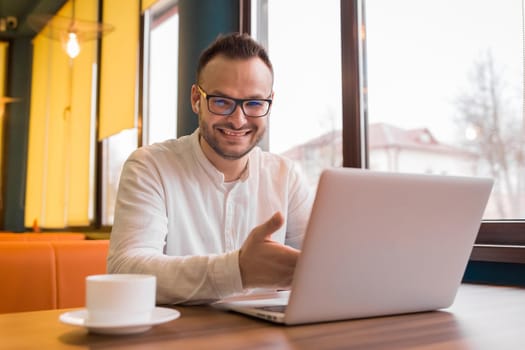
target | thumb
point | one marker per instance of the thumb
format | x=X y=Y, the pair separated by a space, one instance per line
x=265 y=231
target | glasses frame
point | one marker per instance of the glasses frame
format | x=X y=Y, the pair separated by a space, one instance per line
x=238 y=102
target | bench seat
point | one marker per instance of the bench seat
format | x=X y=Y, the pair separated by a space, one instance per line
x=41 y=275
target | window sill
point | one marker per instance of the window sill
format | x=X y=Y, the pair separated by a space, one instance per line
x=498 y=253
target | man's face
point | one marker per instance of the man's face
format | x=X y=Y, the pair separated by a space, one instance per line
x=232 y=137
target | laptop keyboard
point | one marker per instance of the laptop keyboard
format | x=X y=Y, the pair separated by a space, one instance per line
x=273 y=308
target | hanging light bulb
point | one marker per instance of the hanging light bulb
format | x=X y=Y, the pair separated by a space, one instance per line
x=72 y=45
x=70 y=31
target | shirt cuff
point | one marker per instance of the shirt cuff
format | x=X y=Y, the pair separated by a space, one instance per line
x=226 y=274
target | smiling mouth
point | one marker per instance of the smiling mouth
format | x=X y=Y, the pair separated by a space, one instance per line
x=234 y=133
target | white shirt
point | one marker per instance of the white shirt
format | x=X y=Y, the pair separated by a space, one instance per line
x=176 y=218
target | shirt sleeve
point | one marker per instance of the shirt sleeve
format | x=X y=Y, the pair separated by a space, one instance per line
x=300 y=200
x=138 y=238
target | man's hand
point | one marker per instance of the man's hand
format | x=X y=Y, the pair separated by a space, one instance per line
x=266 y=263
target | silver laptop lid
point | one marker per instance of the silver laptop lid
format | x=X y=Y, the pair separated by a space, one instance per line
x=382 y=243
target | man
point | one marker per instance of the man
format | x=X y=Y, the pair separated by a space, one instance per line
x=210 y=213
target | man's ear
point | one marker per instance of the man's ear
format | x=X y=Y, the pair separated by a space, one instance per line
x=195 y=99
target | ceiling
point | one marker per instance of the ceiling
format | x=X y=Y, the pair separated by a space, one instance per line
x=20 y=10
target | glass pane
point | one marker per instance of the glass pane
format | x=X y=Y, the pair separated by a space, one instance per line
x=160 y=122
x=305 y=122
x=116 y=150
x=445 y=92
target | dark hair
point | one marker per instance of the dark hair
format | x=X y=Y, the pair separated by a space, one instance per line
x=234 y=46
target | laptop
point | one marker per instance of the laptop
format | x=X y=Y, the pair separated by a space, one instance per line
x=377 y=244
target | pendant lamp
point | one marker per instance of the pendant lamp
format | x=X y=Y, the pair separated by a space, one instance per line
x=70 y=31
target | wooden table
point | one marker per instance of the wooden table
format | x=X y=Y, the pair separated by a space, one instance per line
x=482 y=317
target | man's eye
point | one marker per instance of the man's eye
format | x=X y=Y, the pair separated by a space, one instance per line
x=221 y=102
x=254 y=103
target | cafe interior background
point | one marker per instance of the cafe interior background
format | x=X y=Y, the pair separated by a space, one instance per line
x=83 y=83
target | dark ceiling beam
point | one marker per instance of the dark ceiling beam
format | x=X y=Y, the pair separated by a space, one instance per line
x=21 y=9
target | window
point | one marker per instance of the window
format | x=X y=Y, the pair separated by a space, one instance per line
x=445 y=92
x=116 y=149
x=499 y=240
x=160 y=72
x=305 y=122
x=411 y=73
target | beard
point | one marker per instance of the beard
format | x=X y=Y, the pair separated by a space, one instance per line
x=229 y=152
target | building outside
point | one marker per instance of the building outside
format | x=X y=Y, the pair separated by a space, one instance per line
x=389 y=149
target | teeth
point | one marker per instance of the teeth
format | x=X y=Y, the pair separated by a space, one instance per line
x=233 y=133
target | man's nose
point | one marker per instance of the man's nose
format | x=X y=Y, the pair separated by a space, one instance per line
x=237 y=118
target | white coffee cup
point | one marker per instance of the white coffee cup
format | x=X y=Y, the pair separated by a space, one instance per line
x=118 y=298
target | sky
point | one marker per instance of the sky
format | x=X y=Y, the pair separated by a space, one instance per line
x=307 y=60
x=431 y=54
x=419 y=55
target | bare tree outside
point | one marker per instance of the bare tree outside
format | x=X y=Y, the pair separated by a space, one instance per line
x=489 y=115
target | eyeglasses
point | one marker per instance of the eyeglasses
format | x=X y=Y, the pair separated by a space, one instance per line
x=225 y=106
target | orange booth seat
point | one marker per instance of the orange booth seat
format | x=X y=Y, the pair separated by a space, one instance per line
x=41 y=275
x=48 y=236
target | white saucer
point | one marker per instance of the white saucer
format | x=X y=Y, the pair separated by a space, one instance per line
x=158 y=316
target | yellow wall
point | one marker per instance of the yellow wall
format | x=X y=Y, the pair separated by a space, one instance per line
x=60 y=170
x=4 y=46
x=119 y=67
x=58 y=175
